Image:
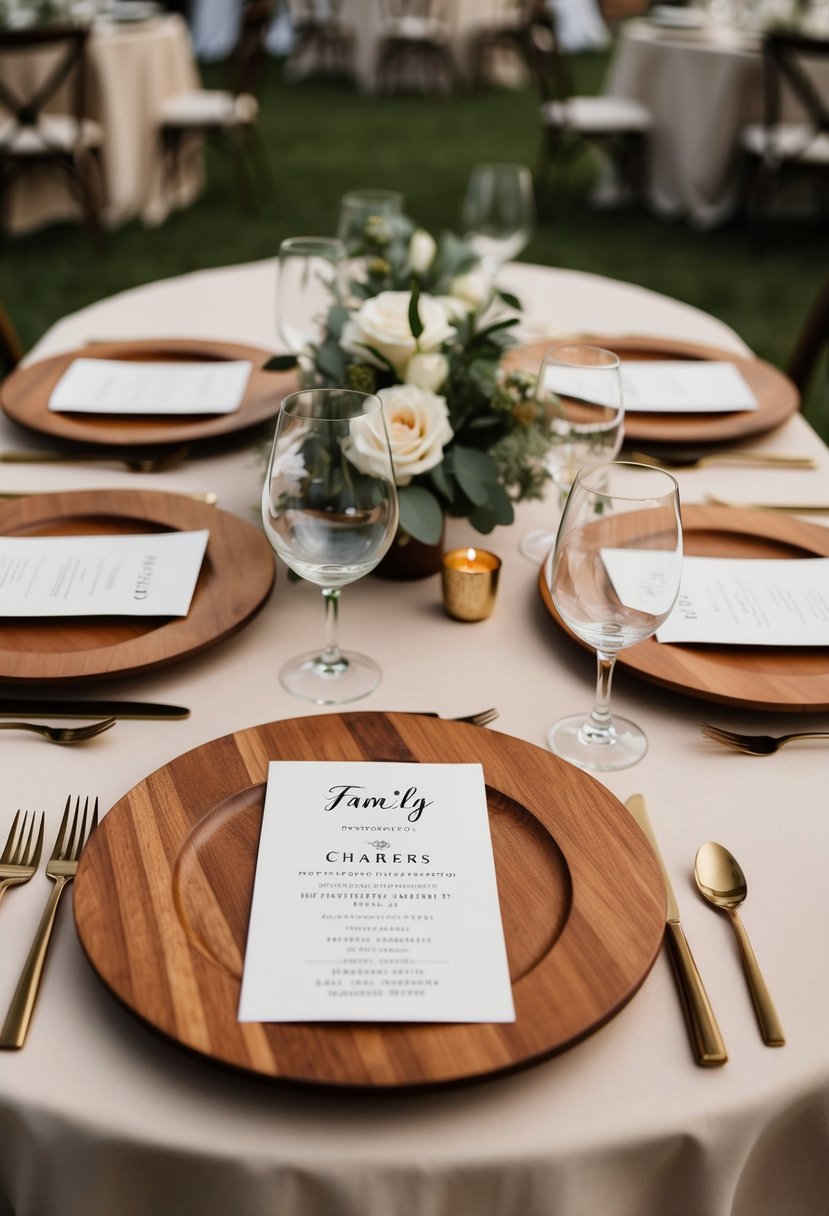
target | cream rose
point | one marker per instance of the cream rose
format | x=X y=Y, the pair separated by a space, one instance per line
x=473 y=288
x=418 y=429
x=382 y=322
x=428 y=371
x=422 y=250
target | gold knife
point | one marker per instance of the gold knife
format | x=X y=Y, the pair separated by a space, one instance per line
x=706 y=1040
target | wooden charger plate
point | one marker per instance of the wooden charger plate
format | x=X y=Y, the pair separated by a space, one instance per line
x=777 y=396
x=789 y=678
x=163 y=894
x=235 y=580
x=25 y=394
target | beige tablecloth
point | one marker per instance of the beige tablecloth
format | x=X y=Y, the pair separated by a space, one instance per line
x=99 y=1116
x=132 y=68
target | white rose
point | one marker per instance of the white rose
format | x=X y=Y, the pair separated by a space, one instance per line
x=428 y=371
x=474 y=288
x=418 y=429
x=383 y=323
x=422 y=250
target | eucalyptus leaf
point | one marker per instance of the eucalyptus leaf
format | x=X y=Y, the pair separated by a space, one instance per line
x=476 y=473
x=280 y=363
x=420 y=514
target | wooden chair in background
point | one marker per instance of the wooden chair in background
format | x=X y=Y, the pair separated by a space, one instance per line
x=413 y=48
x=617 y=127
x=35 y=135
x=782 y=152
x=323 y=42
x=228 y=117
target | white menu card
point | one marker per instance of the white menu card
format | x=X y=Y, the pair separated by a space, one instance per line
x=152 y=575
x=751 y=602
x=120 y=386
x=375 y=897
x=684 y=386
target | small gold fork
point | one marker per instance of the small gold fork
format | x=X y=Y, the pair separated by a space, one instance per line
x=20 y=857
x=756 y=745
x=61 y=868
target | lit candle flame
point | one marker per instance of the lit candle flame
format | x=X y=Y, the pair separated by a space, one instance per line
x=471 y=554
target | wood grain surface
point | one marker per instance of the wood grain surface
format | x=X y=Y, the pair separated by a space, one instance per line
x=777 y=396
x=757 y=677
x=234 y=582
x=163 y=893
x=24 y=395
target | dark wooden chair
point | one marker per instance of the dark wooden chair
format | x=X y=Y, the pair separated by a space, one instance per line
x=811 y=345
x=11 y=349
x=413 y=48
x=323 y=42
x=35 y=134
x=782 y=152
x=617 y=127
x=228 y=117
x=507 y=34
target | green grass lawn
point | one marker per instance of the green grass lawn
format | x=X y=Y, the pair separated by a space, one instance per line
x=323 y=139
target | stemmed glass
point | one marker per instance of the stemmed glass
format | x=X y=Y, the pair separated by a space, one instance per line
x=311 y=280
x=499 y=213
x=329 y=506
x=360 y=209
x=614 y=578
x=580 y=393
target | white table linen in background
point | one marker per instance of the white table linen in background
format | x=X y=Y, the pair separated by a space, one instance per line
x=98 y=1115
x=131 y=69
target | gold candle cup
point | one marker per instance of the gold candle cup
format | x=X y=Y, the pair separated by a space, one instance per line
x=470 y=583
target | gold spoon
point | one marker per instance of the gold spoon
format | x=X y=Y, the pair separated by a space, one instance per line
x=721 y=881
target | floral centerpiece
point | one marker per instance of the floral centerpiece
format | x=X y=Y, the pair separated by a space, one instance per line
x=424 y=329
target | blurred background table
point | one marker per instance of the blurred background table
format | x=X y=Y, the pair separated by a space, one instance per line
x=131 y=68
x=99 y=1115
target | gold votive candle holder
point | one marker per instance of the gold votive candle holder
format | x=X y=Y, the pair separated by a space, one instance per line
x=470 y=583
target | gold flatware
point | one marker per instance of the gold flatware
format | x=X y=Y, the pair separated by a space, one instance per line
x=152 y=462
x=722 y=883
x=793 y=508
x=482 y=718
x=693 y=460
x=706 y=1039
x=61 y=869
x=19 y=707
x=756 y=745
x=62 y=734
x=21 y=854
x=210 y=497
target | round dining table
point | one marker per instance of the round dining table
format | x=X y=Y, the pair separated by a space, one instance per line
x=101 y=1115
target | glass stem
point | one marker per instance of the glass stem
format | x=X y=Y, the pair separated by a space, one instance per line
x=331 y=653
x=600 y=719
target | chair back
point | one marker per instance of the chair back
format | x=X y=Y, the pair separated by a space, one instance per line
x=250 y=55
x=550 y=66
x=812 y=342
x=419 y=10
x=24 y=103
x=789 y=63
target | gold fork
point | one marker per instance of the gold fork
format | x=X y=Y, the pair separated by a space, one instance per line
x=62 y=734
x=61 y=868
x=19 y=858
x=756 y=745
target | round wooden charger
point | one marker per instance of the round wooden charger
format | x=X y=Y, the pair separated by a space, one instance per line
x=234 y=582
x=163 y=894
x=777 y=396
x=24 y=395
x=791 y=678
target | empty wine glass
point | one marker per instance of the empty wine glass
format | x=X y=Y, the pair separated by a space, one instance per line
x=311 y=280
x=329 y=506
x=614 y=578
x=499 y=212
x=366 y=216
x=579 y=391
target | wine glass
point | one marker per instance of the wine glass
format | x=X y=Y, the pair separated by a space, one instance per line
x=311 y=280
x=329 y=506
x=614 y=578
x=499 y=213
x=580 y=393
x=367 y=215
